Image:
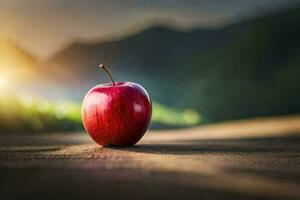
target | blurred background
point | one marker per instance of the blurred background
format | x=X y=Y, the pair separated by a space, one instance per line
x=201 y=61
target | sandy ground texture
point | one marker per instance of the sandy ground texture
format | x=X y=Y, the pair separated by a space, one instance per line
x=250 y=159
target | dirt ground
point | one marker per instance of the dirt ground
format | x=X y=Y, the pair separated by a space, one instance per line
x=250 y=159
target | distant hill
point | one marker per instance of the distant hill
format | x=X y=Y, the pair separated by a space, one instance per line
x=155 y=58
x=150 y=51
x=247 y=69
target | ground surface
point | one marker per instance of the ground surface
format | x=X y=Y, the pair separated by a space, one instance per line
x=253 y=159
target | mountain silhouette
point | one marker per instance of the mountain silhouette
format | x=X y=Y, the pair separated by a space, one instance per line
x=243 y=70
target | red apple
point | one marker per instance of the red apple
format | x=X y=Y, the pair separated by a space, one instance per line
x=116 y=113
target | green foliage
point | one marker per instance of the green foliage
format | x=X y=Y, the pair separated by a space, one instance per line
x=35 y=114
x=174 y=117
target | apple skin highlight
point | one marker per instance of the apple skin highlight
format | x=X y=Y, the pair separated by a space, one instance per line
x=116 y=113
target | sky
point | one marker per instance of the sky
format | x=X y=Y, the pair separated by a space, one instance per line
x=45 y=26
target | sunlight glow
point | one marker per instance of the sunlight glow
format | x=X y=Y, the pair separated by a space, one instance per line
x=16 y=66
x=4 y=82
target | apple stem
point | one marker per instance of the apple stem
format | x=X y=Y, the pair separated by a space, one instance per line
x=109 y=74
